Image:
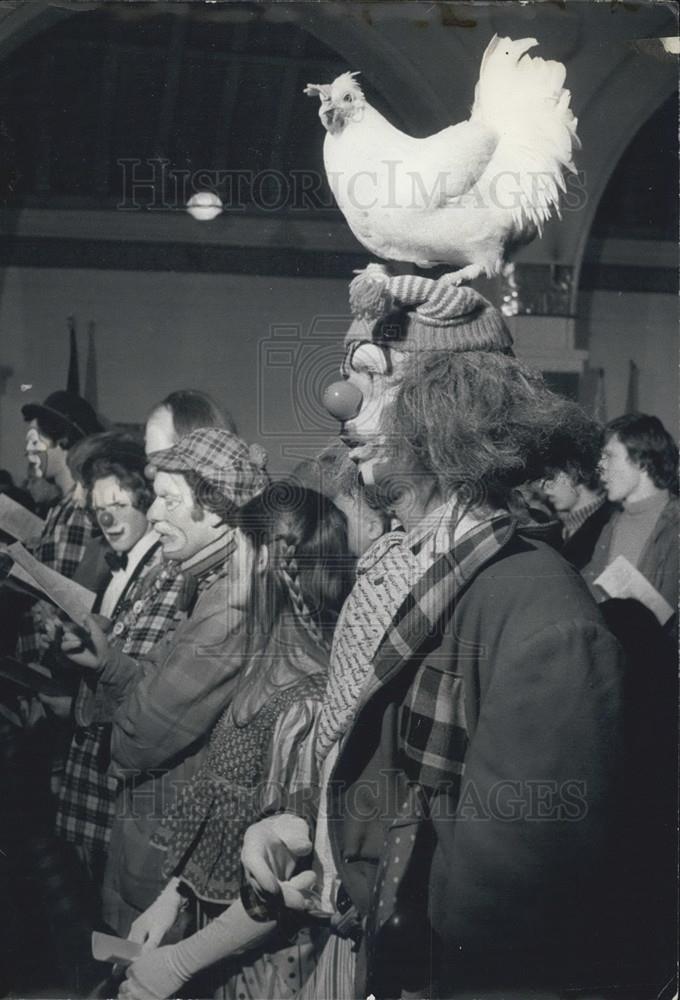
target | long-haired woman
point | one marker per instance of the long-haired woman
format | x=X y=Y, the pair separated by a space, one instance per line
x=291 y=573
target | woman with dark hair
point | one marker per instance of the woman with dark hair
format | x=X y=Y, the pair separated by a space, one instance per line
x=291 y=574
x=181 y=412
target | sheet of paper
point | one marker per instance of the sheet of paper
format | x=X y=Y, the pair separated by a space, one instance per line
x=29 y=677
x=17 y=521
x=622 y=579
x=107 y=948
x=74 y=600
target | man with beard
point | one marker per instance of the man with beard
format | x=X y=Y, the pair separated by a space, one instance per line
x=469 y=741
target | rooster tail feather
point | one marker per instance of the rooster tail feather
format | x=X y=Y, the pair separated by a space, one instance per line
x=523 y=99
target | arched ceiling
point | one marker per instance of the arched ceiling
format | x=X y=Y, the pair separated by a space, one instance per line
x=217 y=86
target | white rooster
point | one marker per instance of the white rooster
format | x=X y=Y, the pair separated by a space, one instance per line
x=469 y=194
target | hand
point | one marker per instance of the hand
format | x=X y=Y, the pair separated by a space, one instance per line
x=271 y=849
x=58 y=704
x=150 y=927
x=86 y=644
x=48 y=623
x=151 y=975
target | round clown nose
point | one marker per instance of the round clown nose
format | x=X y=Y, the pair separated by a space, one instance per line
x=342 y=400
x=105 y=519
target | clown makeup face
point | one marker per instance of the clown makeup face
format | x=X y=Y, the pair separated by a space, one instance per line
x=160 y=431
x=122 y=524
x=374 y=370
x=184 y=528
x=37 y=449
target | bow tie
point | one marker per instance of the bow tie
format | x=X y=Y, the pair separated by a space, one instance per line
x=116 y=560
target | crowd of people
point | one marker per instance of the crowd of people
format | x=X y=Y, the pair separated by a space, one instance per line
x=400 y=722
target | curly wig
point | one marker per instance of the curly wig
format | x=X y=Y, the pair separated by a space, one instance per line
x=481 y=423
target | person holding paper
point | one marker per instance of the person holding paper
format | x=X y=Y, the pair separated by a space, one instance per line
x=54 y=427
x=169 y=700
x=140 y=601
x=637 y=553
x=634 y=576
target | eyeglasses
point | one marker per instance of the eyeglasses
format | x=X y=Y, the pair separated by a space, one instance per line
x=347 y=367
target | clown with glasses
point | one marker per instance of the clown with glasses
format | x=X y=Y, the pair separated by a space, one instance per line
x=469 y=662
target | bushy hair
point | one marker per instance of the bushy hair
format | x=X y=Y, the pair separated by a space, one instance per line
x=649 y=445
x=85 y=451
x=191 y=409
x=577 y=454
x=309 y=566
x=481 y=423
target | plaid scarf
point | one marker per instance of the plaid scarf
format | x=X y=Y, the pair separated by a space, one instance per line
x=433 y=736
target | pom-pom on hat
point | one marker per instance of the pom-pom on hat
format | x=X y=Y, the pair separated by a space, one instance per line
x=413 y=313
x=222 y=459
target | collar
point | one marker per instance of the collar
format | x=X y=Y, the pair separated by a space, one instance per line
x=377 y=551
x=573 y=519
x=442 y=529
x=211 y=556
x=137 y=552
x=655 y=502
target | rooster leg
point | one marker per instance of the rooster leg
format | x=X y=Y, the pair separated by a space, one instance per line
x=468 y=273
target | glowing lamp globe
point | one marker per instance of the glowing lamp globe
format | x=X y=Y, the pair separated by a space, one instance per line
x=204 y=206
x=342 y=400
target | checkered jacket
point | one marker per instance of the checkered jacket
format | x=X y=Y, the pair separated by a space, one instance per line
x=146 y=613
x=497 y=672
x=61 y=547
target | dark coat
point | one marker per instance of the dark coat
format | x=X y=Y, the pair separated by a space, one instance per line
x=501 y=885
x=578 y=548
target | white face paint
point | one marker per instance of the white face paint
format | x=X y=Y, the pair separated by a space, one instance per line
x=182 y=535
x=375 y=372
x=160 y=431
x=37 y=448
x=122 y=524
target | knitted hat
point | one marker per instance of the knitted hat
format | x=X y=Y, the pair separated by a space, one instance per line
x=65 y=411
x=221 y=459
x=414 y=313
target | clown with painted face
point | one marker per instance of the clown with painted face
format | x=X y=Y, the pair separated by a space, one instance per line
x=139 y=599
x=467 y=659
x=54 y=429
x=168 y=698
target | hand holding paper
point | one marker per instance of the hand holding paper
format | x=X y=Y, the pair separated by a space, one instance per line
x=621 y=579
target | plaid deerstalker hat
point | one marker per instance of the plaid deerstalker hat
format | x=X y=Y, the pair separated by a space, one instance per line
x=219 y=457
